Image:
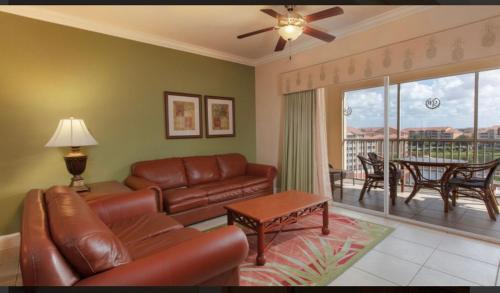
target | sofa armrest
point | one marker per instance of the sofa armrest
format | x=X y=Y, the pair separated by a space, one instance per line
x=115 y=207
x=136 y=183
x=262 y=171
x=188 y=263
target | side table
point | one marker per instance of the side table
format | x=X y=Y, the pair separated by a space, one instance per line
x=98 y=189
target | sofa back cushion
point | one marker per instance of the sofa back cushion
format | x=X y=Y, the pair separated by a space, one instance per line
x=42 y=264
x=201 y=169
x=167 y=173
x=84 y=240
x=231 y=165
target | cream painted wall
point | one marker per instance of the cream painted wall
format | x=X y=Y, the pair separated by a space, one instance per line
x=269 y=101
x=334 y=125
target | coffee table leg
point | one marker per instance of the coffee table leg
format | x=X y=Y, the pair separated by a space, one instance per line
x=230 y=218
x=261 y=260
x=325 y=229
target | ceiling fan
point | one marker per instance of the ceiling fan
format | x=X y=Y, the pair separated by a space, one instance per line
x=291 y=25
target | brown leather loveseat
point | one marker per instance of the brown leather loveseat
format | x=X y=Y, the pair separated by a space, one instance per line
x=120 y=239
x=197 y=188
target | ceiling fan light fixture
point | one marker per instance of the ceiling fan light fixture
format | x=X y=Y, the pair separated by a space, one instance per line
x=290 y=32
x=291 y=25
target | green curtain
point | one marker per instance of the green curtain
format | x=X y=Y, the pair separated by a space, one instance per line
x=297 y=161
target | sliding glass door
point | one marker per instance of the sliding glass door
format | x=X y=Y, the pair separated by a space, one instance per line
x=434 y=125
x=362 y=142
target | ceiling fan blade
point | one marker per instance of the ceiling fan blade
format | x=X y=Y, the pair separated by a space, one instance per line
x=280 y=45
x=271 y=12
x=324 y=14
x=318 y=34
x=256 y=32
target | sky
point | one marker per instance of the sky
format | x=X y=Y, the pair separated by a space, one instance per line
x=456 y=94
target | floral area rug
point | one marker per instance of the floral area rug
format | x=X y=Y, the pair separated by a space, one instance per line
x=308 y=258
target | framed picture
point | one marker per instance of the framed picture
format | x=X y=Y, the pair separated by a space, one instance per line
x=219 y=116
x=182 y=115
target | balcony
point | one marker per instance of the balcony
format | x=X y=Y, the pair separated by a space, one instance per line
x=451 y=117
x=427 y=206
x=464 y=150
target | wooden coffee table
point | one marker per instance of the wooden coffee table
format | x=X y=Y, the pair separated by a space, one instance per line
x=270 y=214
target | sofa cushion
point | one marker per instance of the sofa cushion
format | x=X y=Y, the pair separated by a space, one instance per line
x=250 y=180
x=187 y=205
x=230 y=184
x=175 y=196
x=249 y=190
x=160 y=242
x=220 y=186
x=231 y=165
x=144 y=226
x=224 y=196
x=85 y=241
x=201 y=169
x=167 y=173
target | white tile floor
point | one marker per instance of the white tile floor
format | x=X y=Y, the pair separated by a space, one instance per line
x=416 y=256
x=411 y=255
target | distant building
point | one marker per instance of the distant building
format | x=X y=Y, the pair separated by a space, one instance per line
x=492 y=132
x=467 y=132
x=372 y=138
x=433 y=133
x=369 y=139
x=370 y=132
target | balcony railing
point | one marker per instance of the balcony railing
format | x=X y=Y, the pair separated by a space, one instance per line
x=466 y=150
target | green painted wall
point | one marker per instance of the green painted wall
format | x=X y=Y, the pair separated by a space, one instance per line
x=49 y=72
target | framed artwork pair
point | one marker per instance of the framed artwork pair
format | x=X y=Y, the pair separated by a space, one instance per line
x=183 y=115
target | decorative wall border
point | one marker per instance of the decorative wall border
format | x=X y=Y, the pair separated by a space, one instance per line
x=470 y=41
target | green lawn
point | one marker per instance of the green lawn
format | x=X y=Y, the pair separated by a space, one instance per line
x=485 y=156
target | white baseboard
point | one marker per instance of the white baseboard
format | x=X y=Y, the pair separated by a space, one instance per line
x=10 y=241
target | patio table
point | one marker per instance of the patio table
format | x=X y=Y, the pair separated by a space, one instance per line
x=415 y=165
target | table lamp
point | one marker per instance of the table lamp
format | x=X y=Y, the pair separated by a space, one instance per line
x=73 y=133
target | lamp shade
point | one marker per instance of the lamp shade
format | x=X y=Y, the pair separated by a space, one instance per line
x=71 y=133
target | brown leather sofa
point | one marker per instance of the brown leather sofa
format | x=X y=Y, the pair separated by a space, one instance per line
x=197 y=188
x=120 y=239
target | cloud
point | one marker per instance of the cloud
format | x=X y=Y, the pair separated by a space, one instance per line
x=456 y=94
x=489 y=98
x=368 y=107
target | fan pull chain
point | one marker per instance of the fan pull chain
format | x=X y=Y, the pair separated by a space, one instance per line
x=290 y=8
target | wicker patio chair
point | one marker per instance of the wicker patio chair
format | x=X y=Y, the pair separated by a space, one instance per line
x=378 y=168
x=467 y=178
x=374 y=173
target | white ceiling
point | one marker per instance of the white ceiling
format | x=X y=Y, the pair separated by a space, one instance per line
x=210 y=30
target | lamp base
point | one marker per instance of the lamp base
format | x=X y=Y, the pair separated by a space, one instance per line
x=78 y=184
x=81 y=189
x=75 y=163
